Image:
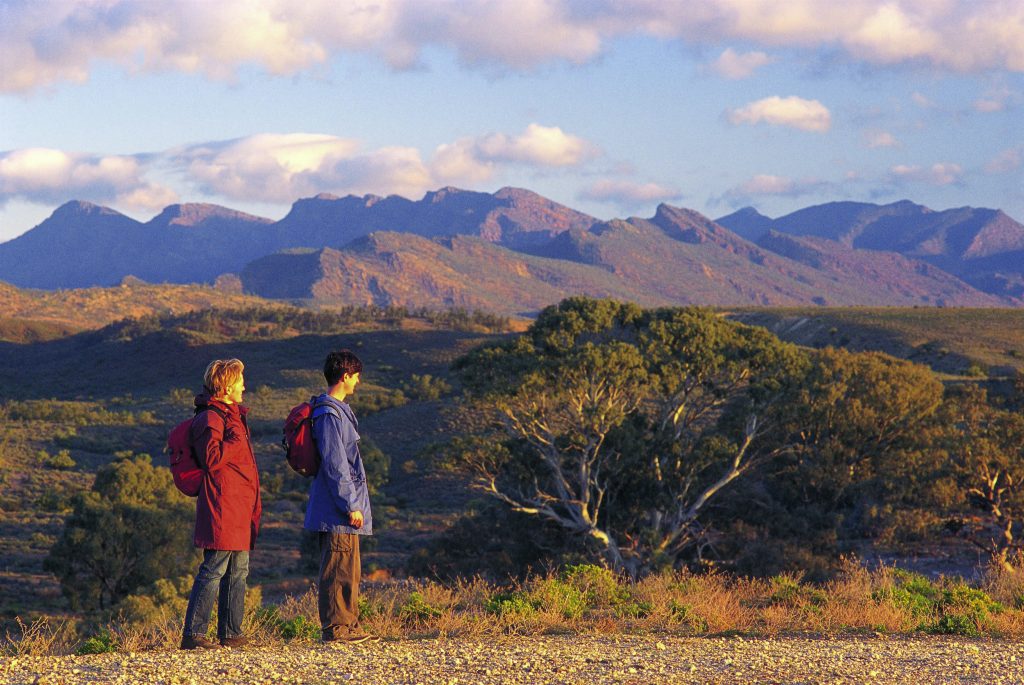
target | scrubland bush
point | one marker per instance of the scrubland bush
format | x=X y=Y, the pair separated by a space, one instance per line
x=60 y=461
x=425 y=387
x=586 y=599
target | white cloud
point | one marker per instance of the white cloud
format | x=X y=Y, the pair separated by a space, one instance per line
x=939 y=174
x=48 y=176
x=795 y=112
x=475 y=159
x=876 y=139
x=922 y=100
x=1006 y=161
x=43 y=43
x=768 y=185
x=280 y=168
x=629 y=193
x=997 y=99
x=892 y=35
x=735 y=65
x=539 y=145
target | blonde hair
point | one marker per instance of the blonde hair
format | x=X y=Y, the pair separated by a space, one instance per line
x=221 y=374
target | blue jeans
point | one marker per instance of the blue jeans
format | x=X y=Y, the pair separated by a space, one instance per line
x=224 y=571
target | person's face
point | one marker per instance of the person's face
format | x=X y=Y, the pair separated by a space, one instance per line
x=235 y=390
x=349 y=382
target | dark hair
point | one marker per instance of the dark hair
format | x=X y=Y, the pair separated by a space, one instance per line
x=339 y=363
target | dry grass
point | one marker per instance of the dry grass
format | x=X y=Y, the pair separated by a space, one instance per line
x=587 y=599
x=41 y=636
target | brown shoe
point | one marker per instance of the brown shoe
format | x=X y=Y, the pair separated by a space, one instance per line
x=197 y=642
x=236 y=641
x=352 y=639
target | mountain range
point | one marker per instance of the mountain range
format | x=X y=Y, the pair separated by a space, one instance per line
x=515 y=251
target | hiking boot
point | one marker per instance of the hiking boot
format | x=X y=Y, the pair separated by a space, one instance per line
x=352 y=639
x=198 y=642
x=236 y=641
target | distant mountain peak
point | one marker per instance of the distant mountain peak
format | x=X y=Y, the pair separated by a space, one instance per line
x=442 y=194
x=686 y=224
x=195 y=213
x=79 y=207
x=748 y=211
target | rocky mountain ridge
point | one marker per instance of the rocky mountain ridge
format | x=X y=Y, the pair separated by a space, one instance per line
x=515 y=251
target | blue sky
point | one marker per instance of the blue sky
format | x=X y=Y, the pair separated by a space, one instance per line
x=609 y=106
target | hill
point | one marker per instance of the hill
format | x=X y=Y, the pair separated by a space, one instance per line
x=35 y=315
x=983 y=247
x=675 y=257
x=512 y=217
x=986 y=342
x=437 y=252
x=83 y=245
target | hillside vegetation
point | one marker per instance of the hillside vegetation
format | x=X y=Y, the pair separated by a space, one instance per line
x=846 y=453
x=956 y=341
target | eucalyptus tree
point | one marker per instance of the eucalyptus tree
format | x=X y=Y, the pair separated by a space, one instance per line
x=621 y=424
x=985 y=444
x=130 y=529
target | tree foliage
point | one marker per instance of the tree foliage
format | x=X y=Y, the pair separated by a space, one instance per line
x=985 y=447
x=132 y=528
x=864 y=462
x=620 y=424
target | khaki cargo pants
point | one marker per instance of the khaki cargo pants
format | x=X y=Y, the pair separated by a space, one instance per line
x=338 y=585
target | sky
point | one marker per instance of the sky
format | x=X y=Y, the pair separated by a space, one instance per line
x=609 y=106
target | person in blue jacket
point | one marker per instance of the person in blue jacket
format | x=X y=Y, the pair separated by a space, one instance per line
x=339 y=501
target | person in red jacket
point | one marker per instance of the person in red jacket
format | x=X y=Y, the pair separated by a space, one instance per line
x=227 y=510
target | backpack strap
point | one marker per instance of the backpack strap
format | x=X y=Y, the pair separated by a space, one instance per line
x=210 y=407
x=313 y=404
x=223 y=417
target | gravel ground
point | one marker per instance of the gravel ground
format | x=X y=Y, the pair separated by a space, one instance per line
x=554 y=659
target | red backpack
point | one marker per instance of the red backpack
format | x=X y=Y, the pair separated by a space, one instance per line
x=185 y=468
x=298 y=443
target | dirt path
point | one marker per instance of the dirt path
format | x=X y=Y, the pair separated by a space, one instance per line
x=577 y=660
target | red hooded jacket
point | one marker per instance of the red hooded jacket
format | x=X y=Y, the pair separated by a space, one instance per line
x=228 y=507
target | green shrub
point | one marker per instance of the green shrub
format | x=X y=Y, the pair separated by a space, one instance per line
x=101 y=643
x=425 y=387
x=633 y=608
x=955 y=610
x=686 y=616
x=164 y=598
x=598 y=585
x=299 y=628
x=560 y=597
x=511 y=603
x=53 y=501
x=911 y=592
x=61 y=461
x=965 y=611
x=789 y=591
x=956 y=624
x=976 y=370
x=416 y=609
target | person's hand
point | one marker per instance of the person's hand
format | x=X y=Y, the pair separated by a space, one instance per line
x=355 y=519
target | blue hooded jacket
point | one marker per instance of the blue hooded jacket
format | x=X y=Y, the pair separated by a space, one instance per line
x=339 y=487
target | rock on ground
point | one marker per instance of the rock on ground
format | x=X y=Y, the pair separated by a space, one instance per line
x=575 y=659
